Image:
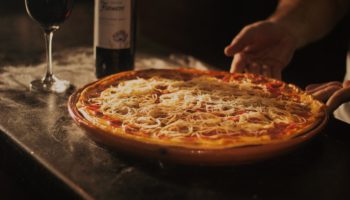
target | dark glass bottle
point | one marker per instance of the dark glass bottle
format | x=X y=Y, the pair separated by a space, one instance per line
x=114 y=36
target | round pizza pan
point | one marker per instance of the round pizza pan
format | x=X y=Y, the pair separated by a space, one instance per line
x=189 y=156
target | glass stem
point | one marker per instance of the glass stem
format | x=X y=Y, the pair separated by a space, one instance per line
x=48 y=43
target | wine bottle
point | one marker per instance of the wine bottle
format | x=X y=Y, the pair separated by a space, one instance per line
x=114 y=36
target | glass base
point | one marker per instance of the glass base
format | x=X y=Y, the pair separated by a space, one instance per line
x=50 y=85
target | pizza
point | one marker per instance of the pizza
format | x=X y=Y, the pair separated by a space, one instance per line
x=198 y=109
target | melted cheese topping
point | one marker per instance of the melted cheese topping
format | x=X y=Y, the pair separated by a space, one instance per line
x=204 y=107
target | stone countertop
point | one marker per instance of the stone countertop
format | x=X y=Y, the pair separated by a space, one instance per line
x=42 y=142
x=41 y=126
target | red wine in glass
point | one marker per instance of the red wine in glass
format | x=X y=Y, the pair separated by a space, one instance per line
x=49 y=14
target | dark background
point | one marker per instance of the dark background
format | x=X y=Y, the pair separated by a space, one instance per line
x=204 y=28
x=201 y=28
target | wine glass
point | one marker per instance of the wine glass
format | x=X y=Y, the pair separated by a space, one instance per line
x=49 y=14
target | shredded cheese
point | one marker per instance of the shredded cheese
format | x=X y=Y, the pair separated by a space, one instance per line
x=201 y=107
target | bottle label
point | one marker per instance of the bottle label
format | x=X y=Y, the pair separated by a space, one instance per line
x=112 y=24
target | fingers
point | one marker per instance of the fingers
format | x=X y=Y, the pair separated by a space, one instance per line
x=239 y=62
x=339 y=97
x=325 y=93
x=230 y=51
x=240 y=42
x=312 y=86
x=254 y=68
x=242 y=63
x=346 y=83
x=333 y=93
x=323 y=87
x=261 y=69
x=236 y=46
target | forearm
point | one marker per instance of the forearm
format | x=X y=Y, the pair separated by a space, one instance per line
x=309 y=20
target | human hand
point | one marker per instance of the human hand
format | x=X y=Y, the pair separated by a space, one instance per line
x=332 y=93
x=264 y=47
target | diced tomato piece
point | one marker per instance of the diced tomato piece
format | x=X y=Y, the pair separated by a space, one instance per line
x=94 y=107
x=233 y=118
